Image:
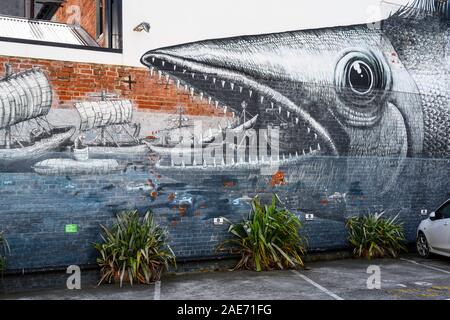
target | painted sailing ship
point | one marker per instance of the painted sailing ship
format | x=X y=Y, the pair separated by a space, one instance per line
x=115 y=135
x=211 y=138
x=25 y=133
x=113 y=143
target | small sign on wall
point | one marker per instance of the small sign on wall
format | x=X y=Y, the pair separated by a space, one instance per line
x=71 y=228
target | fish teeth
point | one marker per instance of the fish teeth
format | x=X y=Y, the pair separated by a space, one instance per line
x=318 y=147
x=232 y=85
x=192 y=91
x=225 y=108
x=315 y=136
x=217 y=104
x=201 y=96
x=159 y=74
x=261 y=99
x=296 y=120
x=178 y=84
x=184 y=71
x=279 y=110
x=209 y=100
x=214 y=80
x=223 y=83
x=309 y=130
x=174 y=68
x=193 y=75
x=205 y=77
x=288 y=114
x=272 y=105
x=240 y=89
x=310 y=150
x=163 y=63
x=167 y=78
x=153 y=60
x=250 y=93
x=185 y=87
x=152 y=71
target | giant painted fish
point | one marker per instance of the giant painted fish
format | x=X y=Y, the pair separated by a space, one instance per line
x=350 y=91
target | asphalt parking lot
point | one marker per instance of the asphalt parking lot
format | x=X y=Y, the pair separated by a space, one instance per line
x=401 y=279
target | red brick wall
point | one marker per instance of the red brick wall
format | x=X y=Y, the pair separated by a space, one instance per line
x=75 y=81
x=81 y=12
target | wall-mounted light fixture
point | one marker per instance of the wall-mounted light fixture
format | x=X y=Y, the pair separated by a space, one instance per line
x=143 y=26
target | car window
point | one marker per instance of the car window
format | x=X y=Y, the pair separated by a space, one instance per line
x=443 y=212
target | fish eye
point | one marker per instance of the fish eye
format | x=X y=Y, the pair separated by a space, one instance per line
x=362 y=81
x=360 y=77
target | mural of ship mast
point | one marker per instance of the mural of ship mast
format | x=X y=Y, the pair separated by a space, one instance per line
x=111 y=121
x=25 y=101
x=241 y=124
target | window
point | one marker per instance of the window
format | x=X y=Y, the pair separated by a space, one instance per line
x=113 y=16
x=443 y=212
x=100 y=20
x=41 y=9
x=92 y=23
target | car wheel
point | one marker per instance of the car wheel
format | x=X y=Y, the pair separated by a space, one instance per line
x=422 y=246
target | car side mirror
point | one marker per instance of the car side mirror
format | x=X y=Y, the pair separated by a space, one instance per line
x=433 y=216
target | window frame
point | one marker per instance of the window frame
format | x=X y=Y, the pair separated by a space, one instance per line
x=106 y=48
x=441 y=216
x=100 y=29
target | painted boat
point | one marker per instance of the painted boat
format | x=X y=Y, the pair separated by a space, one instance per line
x=57 y=167
x=110 y=119
x=25 y=100
x=205 y=142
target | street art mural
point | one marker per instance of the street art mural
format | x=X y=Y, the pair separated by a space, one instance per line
x=26 y=99
x=337 y=121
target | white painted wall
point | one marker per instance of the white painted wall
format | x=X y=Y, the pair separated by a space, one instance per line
x=180 y=21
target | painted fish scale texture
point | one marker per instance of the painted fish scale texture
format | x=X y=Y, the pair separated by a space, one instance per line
x=423 y=46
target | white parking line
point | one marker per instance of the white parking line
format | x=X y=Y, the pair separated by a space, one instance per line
x=318 y=286
x=157 y=290
x=426 y=266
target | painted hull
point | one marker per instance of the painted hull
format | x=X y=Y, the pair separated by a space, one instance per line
x=140 y=151
x=56 y=167
x=39 y=149
x=172 y=150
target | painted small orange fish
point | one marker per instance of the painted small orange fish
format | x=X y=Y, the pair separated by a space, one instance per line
x=229 y=184
x=278 y=179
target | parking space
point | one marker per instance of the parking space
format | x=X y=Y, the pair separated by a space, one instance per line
x=407 y=278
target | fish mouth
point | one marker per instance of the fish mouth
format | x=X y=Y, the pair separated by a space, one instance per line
x=230 y=89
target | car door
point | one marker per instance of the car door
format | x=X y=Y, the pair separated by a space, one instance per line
x=446 y=227
x=439 y=229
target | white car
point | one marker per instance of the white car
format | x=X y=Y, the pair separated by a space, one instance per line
x=433 y=234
